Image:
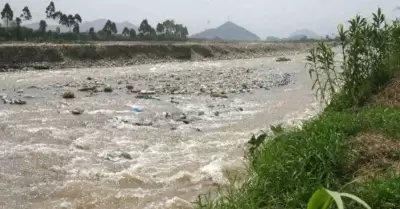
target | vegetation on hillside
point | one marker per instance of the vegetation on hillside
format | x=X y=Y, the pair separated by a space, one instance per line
x=13 y=29
x=352 y=146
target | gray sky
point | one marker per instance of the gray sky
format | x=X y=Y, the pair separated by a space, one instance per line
x=263 y=17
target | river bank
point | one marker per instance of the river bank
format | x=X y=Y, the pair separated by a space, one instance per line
x=352 y=146
x=347 y=151
x=28 y=56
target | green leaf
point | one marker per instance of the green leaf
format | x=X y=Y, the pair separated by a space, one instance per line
x=357 y=199
x=336 y=196
x=320 y=200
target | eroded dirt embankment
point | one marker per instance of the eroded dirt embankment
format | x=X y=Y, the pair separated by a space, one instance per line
x=45 y=56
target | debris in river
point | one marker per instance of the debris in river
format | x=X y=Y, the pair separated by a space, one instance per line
x=135 y=108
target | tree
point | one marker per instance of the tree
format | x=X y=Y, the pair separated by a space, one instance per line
x=181 y=31
x=26 y=14
x=146 y=29
x=51 y=11
x=125 y=32
x=160 y=28
x=169 y=27
x=132 y=33
x=18 y=21
x=42 y=26
x=63 y=19
x=110 y=28
x=91 y=31
x=71 y=22
x=7 y=14
x=76 y=29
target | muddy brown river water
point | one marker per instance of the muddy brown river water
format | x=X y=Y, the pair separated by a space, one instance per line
x=195 y=120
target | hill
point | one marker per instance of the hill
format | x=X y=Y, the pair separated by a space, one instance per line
x=85 y=26
x=229 y=31
x=304 y=32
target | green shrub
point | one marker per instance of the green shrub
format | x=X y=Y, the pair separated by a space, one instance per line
x=108 y=89
x=68 y=95
x=370 y=54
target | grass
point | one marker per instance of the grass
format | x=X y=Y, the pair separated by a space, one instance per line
x=68 y=95
x=285 y=171
x=352 y=146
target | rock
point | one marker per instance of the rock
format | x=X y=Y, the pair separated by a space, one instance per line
x=221 y=95
x=119 y=82
x=244 y=86
x=201 y=113
x=186 y=121
x=240 y=108
x=93 y=88
x=116 y=155
x=77 y=111
x=89 y=78
x=126 y=155
x=129 y=87
x=20 y=91
x=28 y=96
x=282 y=59
x=203 y=88
x=178 y=116
x=145 y=92
x=173 y=101
x=216 y=113
x=197 y=129
x=18 y=101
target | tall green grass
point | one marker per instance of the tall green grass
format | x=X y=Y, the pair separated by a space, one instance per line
x=370 y=55
x=285 y=170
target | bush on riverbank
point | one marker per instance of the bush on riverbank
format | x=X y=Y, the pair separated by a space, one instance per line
x=352 y=146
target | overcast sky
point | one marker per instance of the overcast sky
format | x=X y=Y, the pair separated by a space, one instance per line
x=263 y=17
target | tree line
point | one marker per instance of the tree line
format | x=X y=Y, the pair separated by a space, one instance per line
x=14 y=30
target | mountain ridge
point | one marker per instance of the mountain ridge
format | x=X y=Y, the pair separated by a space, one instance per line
x=228 y=31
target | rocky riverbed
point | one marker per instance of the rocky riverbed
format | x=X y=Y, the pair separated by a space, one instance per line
x=144 y=136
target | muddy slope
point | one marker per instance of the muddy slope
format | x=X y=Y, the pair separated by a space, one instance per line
x=45 y=56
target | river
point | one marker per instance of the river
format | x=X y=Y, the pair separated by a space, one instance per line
x=179 y=146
